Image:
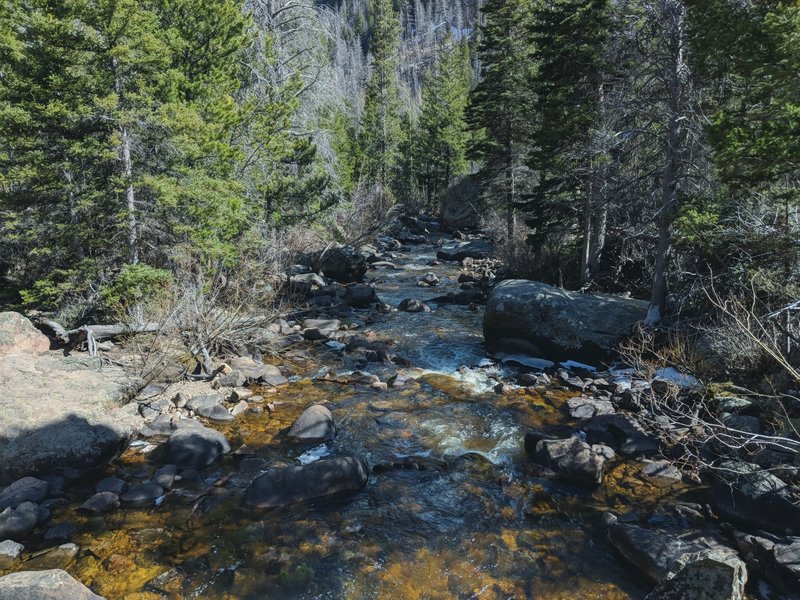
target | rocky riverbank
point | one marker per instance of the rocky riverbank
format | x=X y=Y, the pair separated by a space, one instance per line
x=379 y=451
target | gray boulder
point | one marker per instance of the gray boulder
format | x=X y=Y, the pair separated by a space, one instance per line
x=27 y=489
x=314 y=425
x=343 y=264
x=544 y=320
x=461 y=250
x=413 y=305
x=54 y=584
x=280 y=487
x=658 y=554
x=620 y=432
x=706 y=575
x=360 y=295
x=195 y=447
x=20 y=521
x=570 y=458
x=745 y=493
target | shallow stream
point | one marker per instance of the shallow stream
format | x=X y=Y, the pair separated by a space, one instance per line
x=453 y=508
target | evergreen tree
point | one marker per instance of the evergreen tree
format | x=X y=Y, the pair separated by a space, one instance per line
x=568 y=86
x=498 y=113
x=442 y=136
x=380 y=126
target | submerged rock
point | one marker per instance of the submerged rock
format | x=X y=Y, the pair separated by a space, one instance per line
x=27 y=489
x=314 y=425
x=142 y=495
x=20 y=521
x=413 y=305
x=54 y=584
x=280 y=487
x=544 y=320
x=101 y=502
x=196 y=447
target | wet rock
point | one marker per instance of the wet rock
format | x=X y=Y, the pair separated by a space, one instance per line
x=10 y=552
x=60 y=532
x=165 y=476
x=661 y=473
x=570 y=458
x=54 y=584
x=657 y=553
x=314 y=425
x=27 y=489
x=19 y=336
x=168 y=583
x=547 y=321
x=710 y=575
x=585 y=408
x=280 y=487
x=144 y=494
x=343 y=264
x=111 y=484
x=430 y=279
x=413 y=305
x=534 y=437
x=101 y=502
x=18 y=522
x=461 y=250
x=196 y=447
x=398 y=381
x=745 y=493
x=621 y=433
x=360 y=295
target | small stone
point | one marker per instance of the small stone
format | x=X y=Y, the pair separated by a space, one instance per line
x=240 y=394
x=60 y=532
x=240 y=407
x=111 y=484
x=10 y=551
x=165 y=476
x=256 y=399
x=144 y=494
x=20 y=521
x=101 y=502
x=661 y=473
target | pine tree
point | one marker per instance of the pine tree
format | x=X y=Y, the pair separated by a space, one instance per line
x=568 y=86
x=442 y=137
x=498 y=113
x=380 y=126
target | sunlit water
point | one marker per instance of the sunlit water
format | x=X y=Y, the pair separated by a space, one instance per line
x=454 y=509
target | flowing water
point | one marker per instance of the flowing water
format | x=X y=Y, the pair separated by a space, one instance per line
x=453 y=510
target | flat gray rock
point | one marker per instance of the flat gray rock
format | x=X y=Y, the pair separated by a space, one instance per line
x=54 y=584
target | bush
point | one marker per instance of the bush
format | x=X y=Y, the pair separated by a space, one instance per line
x=136 y=285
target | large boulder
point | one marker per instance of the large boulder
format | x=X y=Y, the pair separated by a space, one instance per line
x=360 y=295
x=570 y=458
x=343 y=263
x=280 y=487
x=620 y=432
x=314 y=425
x=748 y=494
x=706 y=575
x=196 y=447
x=19 y=336
x=547 y=321
x=460 y=250
x=54 y=584
x=658 y=554
x=58 y=411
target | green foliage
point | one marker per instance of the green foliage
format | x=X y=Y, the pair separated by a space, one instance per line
x=134 y=285
x=380 y=126
x=441 y=139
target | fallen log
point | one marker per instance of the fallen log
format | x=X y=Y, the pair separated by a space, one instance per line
x=91 y=334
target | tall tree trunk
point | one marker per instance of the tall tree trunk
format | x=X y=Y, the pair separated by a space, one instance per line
x=511 y=213
x=587 y=232
x=599 y=234
x=672 y=153
x=130 y=200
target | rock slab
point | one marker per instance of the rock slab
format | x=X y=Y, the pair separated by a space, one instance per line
x=550 y=322
x=54 y=584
